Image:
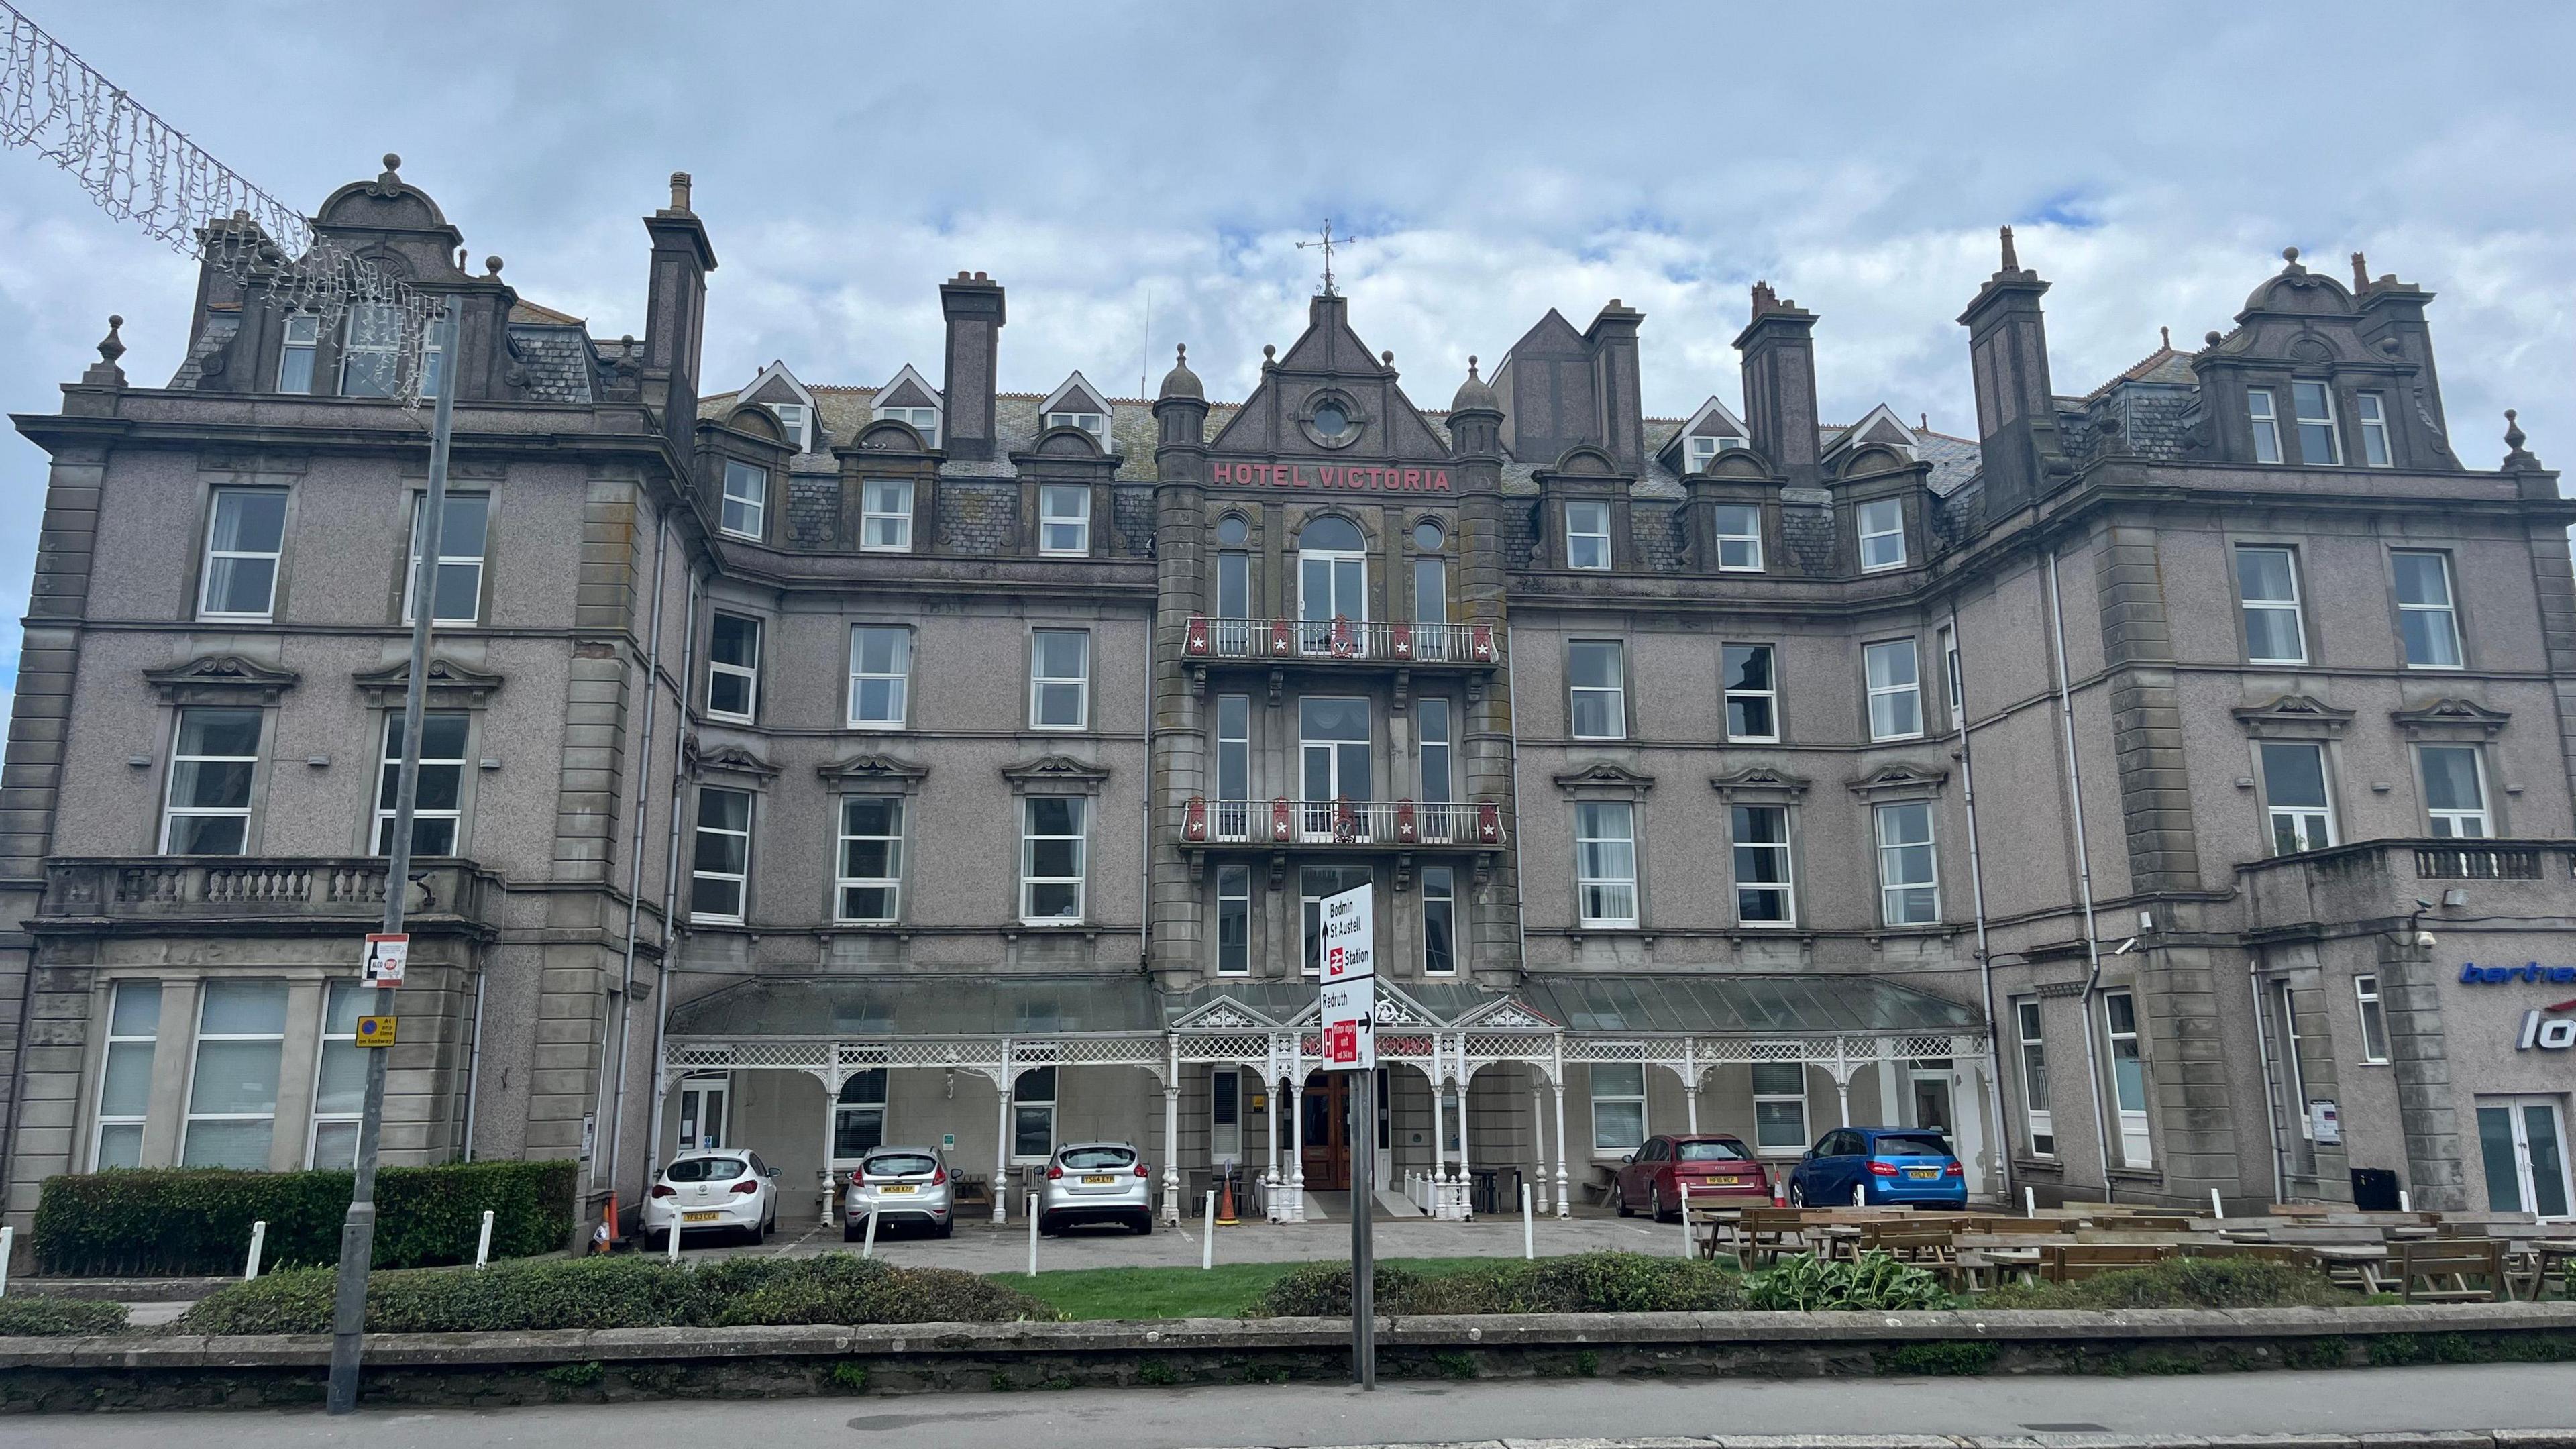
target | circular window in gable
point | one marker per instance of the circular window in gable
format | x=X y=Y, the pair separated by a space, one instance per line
x=1427 y=536
x=1231 y=530
x=1331 y=421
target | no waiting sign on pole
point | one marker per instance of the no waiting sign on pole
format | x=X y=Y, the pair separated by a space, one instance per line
x=1350 y=1045
x=386 y=955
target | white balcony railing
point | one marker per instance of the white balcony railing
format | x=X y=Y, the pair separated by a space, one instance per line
x=1327 y=640
x=1399 y=823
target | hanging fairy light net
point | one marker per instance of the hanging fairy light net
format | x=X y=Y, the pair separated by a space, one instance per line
x=141 y=169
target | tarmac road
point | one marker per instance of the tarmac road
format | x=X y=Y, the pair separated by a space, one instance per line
x=2345 y=1401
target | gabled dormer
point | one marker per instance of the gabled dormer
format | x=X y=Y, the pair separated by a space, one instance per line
x=1879 y=428
x=1077 y=404
x=1712 y=430
x=2320 y=375
x=778 y=390
x=909 y=398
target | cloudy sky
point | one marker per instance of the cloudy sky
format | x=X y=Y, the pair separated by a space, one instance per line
x=1496 y=159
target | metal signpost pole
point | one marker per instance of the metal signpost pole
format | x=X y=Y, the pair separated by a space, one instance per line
x=1363 y=1252
x=358 y=1232
x=1349 y=1021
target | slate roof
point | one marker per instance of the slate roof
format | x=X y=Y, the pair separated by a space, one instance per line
x=219 y=331
x=555 y=358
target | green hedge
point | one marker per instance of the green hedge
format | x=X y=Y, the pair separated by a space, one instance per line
x=196 y=1220
x=26 y=1315
x=624 y=1292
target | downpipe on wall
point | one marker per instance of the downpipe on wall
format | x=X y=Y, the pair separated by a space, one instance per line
x=2002 y=1144
x=2263 y=1053
x=616 y=1087
x=2083 y=870
x=671 y=887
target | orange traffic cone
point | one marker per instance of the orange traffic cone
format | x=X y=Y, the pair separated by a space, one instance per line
x=1225 y=1202
x=605 y=1238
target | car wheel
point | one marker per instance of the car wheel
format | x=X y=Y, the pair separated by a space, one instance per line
x=1797 y=1194
x=947 y=1228
x=1046 y=1226
x=1655 y=1203
x=1145 y=1225
x=1619 y=1199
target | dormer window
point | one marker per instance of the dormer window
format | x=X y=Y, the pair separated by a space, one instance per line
x=798 y=423
x=1704 y=451
x=2374 y=429
x=1882 y=535
x=2317 y=441
x=1096 y=424
x=925 y=421
x=1587 y=535
x=370 y=365
x=746 y=500
x=295 y=353
x=1064 y=519
x=2265 y=417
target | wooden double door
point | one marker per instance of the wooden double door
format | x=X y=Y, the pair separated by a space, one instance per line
x=1325 y=1106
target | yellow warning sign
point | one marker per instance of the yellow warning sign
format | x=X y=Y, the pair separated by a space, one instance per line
x=375 y=1031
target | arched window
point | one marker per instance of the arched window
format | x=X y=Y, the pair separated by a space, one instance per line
x=1332 y=581
x=858 y=1119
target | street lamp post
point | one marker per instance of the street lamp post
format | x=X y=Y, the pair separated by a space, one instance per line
x=358 y=1230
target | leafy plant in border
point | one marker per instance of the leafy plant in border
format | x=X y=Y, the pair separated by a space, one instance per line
x=1875 y=1283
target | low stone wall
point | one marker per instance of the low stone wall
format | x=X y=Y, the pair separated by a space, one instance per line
x=176 y=1371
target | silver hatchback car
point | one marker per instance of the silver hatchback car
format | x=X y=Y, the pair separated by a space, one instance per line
x=1097 y=1182
x=906 y=1185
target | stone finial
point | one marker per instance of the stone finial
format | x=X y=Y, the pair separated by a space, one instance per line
x=2212 y=338
x=1471 y=367
x=1387 y=357
x=680 y=191
x=104 y=373
x=2290 y=255
x=1268 y=352
x=492 y=267
x=389 y=182
x=2360 y=273
x=2012 y=263
x=2515 y=459
x=111 y=347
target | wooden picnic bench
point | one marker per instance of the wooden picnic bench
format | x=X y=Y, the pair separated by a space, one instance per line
x=2075 y=1262
x=2445 y=1265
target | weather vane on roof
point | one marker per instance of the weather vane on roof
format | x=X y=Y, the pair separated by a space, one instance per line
x=1326 y=241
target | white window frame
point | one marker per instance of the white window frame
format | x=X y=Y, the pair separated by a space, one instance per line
x=720 y=668
x=1877 y=520
x=1739 y=537
x=2325 y=420
x=276 y=558
x=1895 y=887
x=1614 y=693
x=1063 y=534
x=376 y=360
x=885 y=514
x=1079 y=880
x=1790 y=1147
x=172 y=811
x=1599 y=893
x=745 y=510
x=389 y=761
x=1441 y=893
x=1026 y=1109
x=1600 y=1094
x=1235 y=807
x=900 y=691
x=1952 y=690
x=446 y=558
x=1785 y=887
x=891 y=882
x=300 y=342
x=797 y=421
x=1044 y=686
x=1234 y=888
x=2446 y=822
x=206 y=992
x=2293 y=606
x=1705 y=450
x=2371 y=411
x=1906 y=693
x=1225 y=1116
x=1096 y=424
x=122 y=1046
x=2263 y=416
x=2039 y=1123
x=2447 y=611
x=741 y=879
x=925 y=421
x=2301 y=818
x=1729 y=693
x=2136 y=1148
x=325 y=1040
x=1592 y=513
x=848 y=1110
x=2374 y=1019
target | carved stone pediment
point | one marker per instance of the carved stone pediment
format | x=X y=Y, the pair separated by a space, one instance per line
x=1056 y=775
x=729 y=760
x=222 y=679
x=1605 y=776
x=1758 y=782
x=1224 y=1015
x=2451 y=719
x=1898 y=780
x=450 y=685
x=2293 y=716
x=872 y=769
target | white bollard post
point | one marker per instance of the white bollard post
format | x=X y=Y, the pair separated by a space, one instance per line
x=1033 y=1235
x=2029 y=1202
x=868 y=1247
x=1860 y=1194
x=1686 y=1236
x=483 y=1244
x=1529 y=1233
x=670 y=1243
x=2217 y=1209
x=1207 y=1239
x=258 y=1240
x=8 y=1240
x=2405 y=1201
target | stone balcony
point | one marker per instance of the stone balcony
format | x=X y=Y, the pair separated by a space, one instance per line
x=294 y=893
x=2382 y=880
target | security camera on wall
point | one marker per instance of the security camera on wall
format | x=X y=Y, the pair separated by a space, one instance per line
x=2425 y=940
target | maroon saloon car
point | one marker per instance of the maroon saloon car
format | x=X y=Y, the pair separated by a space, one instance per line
x=1717 y=1168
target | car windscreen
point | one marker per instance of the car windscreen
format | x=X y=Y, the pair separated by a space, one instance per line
x=1911 y=1144
x=898 y=1164
x=1097 y=1159
x=705 y=1169
x=1713 y=1152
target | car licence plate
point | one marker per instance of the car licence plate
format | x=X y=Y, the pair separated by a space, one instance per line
x=699 y=1217
x=1922 y=1172
x=1724 y=1182
x=896 y=1187
x=1097 y=1179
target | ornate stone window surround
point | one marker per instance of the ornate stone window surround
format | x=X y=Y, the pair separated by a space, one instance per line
x=217 y=681
x=451 y=687
x=1607 y=782
x=1900 y=784
x=1055 y=776
x=1762 y=785
x=879 y=775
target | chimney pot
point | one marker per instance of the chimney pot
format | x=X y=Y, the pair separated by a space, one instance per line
x=679 y=191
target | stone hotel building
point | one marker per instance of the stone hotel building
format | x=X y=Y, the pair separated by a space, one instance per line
x=2166 y=791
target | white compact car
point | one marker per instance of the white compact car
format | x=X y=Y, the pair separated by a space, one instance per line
x=723 y=1190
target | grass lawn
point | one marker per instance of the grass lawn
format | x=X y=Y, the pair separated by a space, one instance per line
x=1225 y=1291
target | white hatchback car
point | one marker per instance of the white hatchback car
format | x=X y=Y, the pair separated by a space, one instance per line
x=723 y=1190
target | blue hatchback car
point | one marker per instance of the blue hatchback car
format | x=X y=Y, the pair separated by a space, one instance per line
x=1886 y=1166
